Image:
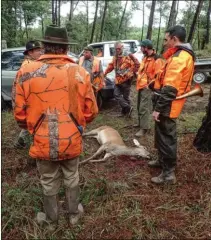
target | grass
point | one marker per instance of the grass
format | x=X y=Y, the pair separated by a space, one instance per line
x=119 y=200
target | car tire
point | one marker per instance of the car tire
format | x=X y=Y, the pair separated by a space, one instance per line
x=199 y=77
x=99 y=101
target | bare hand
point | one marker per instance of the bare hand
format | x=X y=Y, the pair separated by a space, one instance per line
x=155 y=116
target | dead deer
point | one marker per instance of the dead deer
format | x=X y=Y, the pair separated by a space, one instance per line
x=111 y=142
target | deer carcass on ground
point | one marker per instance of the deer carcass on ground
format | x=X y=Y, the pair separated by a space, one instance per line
x=111 y=142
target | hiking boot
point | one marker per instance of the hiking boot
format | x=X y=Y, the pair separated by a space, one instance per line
x=141 y=133
x=130 y=112
x=154 y=164
x=166 y=176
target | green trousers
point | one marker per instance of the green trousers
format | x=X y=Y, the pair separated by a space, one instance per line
x=144 y=108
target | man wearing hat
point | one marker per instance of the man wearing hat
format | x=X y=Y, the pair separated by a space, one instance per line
x=150 y=66
x=32 y=53
x=54 y=100
x=94 y=68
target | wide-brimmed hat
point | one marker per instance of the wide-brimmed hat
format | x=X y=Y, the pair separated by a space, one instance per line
x=89 y=48
x=147 y=43
x=55 y=34
x=31 y=45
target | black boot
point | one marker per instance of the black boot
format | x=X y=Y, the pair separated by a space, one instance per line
x=166 y=176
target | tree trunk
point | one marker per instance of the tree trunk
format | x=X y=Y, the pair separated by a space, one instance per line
x=202 y=141
x=59 y=13
x=158 y=38
x=207 y=33
x=152 y=10
x=42 y=25
x=103 y=21
x=53 y=13
x=26 y=26
x=187 y=24
x=122 y=18
x=71 y=10
x=142 y=30
x=94 y=22
x=172 y=15
x=193 y=25
x=87 y=22
x=198 y=33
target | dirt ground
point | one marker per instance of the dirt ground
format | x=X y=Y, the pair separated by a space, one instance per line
x=120 y=201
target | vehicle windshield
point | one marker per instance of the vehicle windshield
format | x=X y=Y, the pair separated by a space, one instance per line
x=11 y=60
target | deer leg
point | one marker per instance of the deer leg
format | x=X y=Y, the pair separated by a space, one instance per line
x=99 y=151
x=107 y=156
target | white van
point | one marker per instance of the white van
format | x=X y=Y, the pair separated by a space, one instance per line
x=131 y=46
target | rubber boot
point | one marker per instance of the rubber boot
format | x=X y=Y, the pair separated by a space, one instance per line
x=166 y=176
x=50 y=216
x=154 y=164
x=75 y=209
x=141 y=133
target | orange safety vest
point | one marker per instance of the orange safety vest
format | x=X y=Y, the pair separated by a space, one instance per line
x=98 y=81
x=148 y=69
x=54 y=100
x=178 y=73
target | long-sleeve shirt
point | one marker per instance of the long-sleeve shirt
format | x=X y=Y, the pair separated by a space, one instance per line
x=125 y=67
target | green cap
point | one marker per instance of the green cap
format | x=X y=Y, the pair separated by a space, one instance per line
x=88 y=48
x=147 y=43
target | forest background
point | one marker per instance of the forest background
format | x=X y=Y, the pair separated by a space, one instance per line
x=95 y=21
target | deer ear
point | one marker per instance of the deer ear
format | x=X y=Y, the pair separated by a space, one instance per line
x=136 y=142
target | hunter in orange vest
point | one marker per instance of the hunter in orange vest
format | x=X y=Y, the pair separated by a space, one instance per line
x=54 y=100
x=94 y=68
x=149 y=67
x=125 y=66
x=175 y=79
x=32 y=53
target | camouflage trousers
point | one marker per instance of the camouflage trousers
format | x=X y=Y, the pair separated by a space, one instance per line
x=53 y=172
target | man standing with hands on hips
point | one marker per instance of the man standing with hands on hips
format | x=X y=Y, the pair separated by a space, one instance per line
x=174 y=80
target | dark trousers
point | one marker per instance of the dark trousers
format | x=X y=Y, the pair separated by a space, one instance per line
x=122 y=95
x=166 y=142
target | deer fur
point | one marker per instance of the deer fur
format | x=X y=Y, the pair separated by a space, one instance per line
x=111 y=142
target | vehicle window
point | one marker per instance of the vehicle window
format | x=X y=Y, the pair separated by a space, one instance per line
x=98 y=50
x=111 y=49
x=13 y=63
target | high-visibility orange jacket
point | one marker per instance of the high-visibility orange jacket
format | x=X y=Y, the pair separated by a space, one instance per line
x=148 y=69
x=54 y=100
x=97 y=77
x=125 y=67
x=175 y=80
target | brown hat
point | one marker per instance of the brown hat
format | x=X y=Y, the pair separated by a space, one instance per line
x=31 y=45
x=55 y=34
